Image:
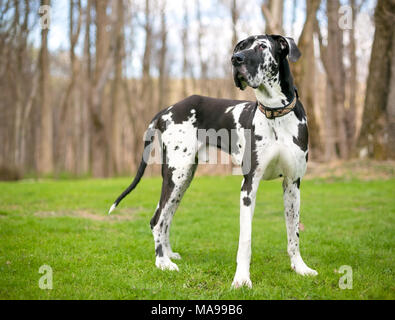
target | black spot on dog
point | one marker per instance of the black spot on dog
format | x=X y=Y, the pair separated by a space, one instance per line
x=258 y=137
x=297 y=182
x=299 y=111
x=297 y=233
x=247 y=201
x=302 y=139
x=159 y=251
x=155 y=218
x=185 y=150
x=275 y=134
x=307 y=157
x=176 y=148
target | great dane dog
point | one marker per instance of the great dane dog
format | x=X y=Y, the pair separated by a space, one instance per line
x=276 y=146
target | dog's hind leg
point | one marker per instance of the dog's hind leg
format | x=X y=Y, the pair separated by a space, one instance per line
x=291 y=208
x=175 y=183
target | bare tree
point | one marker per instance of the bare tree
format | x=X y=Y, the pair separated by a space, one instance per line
x=390 y=150
x=304 y=72
x=104 y=62
x=18 y=62
x=45 y=155
x=19 y=82
x=332 y=59
x=377 y=129
x=235 y=18
x=85 y=83
x=352 y=81
x=235 y=13
x=99 y=143
x=185 y=47
x=116 y=89
x=203 y=62
x=272 y=11
x=140 y=95
x=163 y=70
x=68 y=134
x=147 y=81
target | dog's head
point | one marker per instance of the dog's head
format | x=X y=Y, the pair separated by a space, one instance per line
x=256 y=59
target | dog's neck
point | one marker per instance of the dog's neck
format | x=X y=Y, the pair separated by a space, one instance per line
x=279 y=92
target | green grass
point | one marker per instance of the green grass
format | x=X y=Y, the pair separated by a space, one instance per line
x=64 y=224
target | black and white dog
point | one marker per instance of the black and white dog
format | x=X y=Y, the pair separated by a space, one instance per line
x=268 y=139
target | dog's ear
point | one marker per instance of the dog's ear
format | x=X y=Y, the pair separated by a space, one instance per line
x=289 y=47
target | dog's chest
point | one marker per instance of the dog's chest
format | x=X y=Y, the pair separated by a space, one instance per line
x=280 y=145
x=277 y=130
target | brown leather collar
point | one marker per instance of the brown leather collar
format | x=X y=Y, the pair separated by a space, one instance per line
x=272 y=113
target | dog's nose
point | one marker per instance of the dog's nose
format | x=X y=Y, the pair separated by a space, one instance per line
x=238 y=59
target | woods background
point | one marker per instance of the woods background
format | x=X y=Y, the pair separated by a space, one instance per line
x=76 y=98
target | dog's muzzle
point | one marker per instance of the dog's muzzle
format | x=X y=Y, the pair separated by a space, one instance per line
x=238 y=59
x=239 y=70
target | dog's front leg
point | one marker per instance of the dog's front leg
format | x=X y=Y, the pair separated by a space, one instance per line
x=247 y=206
x=291 y=210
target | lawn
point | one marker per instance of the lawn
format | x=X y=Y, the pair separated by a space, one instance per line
x=64 y=224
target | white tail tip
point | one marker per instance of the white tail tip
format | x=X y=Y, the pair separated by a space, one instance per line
x=112 y=208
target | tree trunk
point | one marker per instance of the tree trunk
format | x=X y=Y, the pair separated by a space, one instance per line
x=163 y=76
x=146 y=98
x=335 y=55
x=235 y=38
x=45 y=156
x=67 y=137
x=116 y=86
x=203 y=63
x=304 y=73
x=185 y=47
x=85 y=85
x=391 y=107
x=332 y=59
x=147 y=81
x=378 y=122
x=273 y=14
x=353 y=84
x=99 y=143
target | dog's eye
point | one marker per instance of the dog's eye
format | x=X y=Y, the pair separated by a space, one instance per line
x=262 y=46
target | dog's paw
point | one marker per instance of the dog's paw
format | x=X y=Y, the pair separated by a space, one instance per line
x=175 y=255
x=165 y=264
x=239 y=282
x=303 y=270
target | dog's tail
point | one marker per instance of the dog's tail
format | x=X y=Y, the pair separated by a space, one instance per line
x=149 y=139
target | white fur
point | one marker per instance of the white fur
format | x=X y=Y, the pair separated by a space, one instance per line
x=112 y=208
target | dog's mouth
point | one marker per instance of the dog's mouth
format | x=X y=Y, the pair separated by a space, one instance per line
x=240 y=78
